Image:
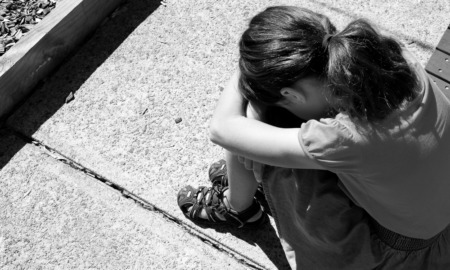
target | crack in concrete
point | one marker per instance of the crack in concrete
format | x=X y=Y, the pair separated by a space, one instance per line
x=55 y=154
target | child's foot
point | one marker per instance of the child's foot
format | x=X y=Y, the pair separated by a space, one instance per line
x=203 y=214
x=218 y=176
x=218 y=173
x=210 y=206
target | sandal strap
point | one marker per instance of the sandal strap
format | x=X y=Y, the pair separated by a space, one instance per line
x=211 y=199
x=197 y=207
x=240 y=218
x=218 y=176
x=195 y=211
x=218 y=173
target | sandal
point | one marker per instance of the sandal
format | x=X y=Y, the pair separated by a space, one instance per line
x=218 y=173
x=218 y=177
x=211 y=200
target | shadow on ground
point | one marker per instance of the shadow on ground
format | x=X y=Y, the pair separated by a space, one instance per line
x=265 y=237
x=96 y=51
x=101 y=45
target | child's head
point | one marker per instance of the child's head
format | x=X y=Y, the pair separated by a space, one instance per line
x=357 y=71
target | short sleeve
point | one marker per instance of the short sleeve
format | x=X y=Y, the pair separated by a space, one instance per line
x=331 y=144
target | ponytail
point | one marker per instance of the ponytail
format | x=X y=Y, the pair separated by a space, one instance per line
x=367 y=74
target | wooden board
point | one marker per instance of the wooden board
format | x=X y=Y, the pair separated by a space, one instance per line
x=37 y=54
x=444 y=43
x=439 y=64
x=445 y=86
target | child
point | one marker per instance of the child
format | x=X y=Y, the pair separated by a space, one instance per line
x=363 y=182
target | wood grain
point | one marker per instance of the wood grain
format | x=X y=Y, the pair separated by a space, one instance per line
x=36 y=55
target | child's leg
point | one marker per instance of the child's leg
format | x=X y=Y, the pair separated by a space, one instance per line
x=241 y=190
x=238 y=196
x=242 y=183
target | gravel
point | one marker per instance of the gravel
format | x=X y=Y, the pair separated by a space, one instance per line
x=18 y=17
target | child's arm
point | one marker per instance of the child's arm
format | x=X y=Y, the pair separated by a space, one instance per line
x=253 y=139
x=256 y=112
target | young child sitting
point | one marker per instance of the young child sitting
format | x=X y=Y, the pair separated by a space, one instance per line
x=362 y=181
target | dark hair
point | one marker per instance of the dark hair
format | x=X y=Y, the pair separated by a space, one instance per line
x=281 y=45
x=367 y=75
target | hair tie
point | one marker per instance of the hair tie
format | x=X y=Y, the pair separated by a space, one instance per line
x=326 y=40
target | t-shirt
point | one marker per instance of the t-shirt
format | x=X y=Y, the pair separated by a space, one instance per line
x=398 y=170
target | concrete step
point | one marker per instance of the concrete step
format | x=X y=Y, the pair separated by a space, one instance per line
x=144 y=68
x=55 y=217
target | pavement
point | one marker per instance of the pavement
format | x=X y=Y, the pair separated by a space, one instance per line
x=91 y=183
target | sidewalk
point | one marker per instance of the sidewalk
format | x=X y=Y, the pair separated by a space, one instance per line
x=55 y=217
x=147 y=66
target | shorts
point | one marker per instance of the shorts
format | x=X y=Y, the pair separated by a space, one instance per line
x=321 y=228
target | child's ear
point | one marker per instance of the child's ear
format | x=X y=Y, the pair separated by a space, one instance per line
x=293 y=95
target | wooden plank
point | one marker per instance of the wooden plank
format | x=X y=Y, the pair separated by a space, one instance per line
x=443 y=85
x=444 y=43
x=37 y=54
x=439 y=65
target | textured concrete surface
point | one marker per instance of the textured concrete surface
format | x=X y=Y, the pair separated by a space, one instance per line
x=55 y=217
x=152 y=64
